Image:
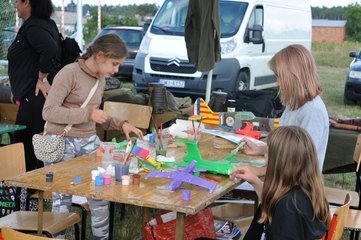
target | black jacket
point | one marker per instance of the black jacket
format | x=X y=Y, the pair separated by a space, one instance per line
x=35 y=48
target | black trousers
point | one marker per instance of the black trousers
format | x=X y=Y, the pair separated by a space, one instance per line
x=30 y=114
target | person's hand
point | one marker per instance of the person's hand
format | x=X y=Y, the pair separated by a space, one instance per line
x=43 y=87
x=99 y=116
x=245 y=172
x=128 y=128
x=251 y=148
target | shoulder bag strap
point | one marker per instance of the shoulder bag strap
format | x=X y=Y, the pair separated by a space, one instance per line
x=90 y=95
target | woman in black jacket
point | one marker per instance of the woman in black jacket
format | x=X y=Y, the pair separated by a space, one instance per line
x=33 y=62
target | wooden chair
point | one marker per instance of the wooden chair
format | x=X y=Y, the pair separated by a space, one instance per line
x=13 y=163
x=339 y=217
x=11 y=234
x=138 y=115
x=84 y=207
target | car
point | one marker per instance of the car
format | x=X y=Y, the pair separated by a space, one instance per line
x=132 y=37
x=352 y=93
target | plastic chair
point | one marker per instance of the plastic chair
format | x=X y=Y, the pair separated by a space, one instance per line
x=13 y=163
x=11 y=234
x=337 y=224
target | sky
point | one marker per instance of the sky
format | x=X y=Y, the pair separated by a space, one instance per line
x=314 y=3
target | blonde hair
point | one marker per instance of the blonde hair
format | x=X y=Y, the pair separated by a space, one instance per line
x=110 y=44
x=296 y=74
x=292 y=161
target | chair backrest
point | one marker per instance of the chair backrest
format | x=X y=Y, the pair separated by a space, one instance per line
x=137 y=115
x=338 y=220
x=11 y=234
x=357 y=153
x=12 y=160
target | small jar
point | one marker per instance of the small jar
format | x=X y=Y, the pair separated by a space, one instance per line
x=125 y=180
x=231 y=105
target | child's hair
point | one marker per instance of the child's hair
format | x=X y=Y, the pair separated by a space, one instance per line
x=296 y=74
x=110 y=44
x=292 y=161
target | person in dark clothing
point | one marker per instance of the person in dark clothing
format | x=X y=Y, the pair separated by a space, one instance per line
x=293 y=203
x=33 y=62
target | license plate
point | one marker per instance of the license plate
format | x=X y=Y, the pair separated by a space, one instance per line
x=172 y=83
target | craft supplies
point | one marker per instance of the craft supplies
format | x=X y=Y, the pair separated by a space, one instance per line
x=186 y=195
x=136 y=179
x=125 y=180
x=49 y=177
x=94 y=174
x=107 y=179
x=99 y=181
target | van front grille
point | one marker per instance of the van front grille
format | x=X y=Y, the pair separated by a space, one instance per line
x=172 y=65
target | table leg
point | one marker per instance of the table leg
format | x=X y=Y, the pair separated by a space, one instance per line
x=40 y=212
x=111 y=219
x=146 y=214
x=179 y=231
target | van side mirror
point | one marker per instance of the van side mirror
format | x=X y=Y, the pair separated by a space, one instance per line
x=146 y=25
x=255 y=34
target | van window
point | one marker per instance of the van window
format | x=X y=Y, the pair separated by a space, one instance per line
x=171 y=17
x=232 y=14
x=255 y=20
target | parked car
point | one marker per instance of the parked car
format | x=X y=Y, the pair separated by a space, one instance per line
x=132 y=36
x=352 y=94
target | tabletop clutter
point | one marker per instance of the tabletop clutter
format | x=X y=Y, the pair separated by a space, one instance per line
x=126 y=161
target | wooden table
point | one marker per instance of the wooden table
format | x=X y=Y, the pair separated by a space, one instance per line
x=151 y=193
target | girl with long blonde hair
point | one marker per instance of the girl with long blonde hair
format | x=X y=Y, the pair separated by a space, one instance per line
x=300 y=90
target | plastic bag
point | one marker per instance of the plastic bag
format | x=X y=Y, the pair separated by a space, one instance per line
x=162 y=227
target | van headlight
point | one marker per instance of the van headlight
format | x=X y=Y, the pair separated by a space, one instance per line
x=355 y=74
x=144 y=46
x=228 y=46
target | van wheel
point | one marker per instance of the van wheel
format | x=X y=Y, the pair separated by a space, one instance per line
x=242 y=82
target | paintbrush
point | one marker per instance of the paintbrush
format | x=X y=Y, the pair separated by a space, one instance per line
x=235 y=151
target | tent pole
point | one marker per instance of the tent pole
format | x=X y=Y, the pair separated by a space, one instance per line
x=209 y=85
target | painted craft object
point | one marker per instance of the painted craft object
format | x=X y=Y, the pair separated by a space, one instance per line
x=184 y=176
x=218 y=167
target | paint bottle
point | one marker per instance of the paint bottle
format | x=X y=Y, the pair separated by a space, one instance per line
x=231 y=105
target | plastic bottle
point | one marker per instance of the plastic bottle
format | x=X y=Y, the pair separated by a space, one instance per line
x=107 y=157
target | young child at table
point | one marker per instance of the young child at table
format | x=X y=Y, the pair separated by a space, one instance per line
x=293 y=203
x=70 y=88
x=295 y=69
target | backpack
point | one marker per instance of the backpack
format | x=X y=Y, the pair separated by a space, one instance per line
x=70 y=50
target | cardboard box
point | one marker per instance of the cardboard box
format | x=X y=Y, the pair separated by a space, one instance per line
x=238 y=213
x=233 y=211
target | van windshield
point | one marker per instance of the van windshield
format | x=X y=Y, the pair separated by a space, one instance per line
x=172 y=16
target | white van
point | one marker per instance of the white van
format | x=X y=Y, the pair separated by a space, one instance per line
x=252 y=31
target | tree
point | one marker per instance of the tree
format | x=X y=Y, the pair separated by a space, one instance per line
x=353 y=27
